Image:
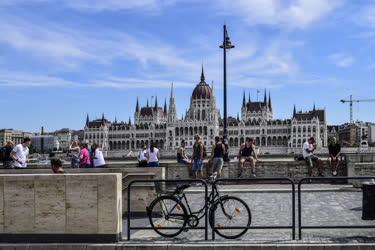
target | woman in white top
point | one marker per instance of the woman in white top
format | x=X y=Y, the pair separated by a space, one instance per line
x=153 y=156
x=98 y=157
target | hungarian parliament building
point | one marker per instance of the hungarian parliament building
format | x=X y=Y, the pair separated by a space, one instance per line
x=154 y=123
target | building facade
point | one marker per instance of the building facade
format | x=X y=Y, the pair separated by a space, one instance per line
x=15 y=136
x=162 y=126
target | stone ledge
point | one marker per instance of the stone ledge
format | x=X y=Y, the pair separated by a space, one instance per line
x=192 y=246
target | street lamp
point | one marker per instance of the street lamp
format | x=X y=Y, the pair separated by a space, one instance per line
x=226 y=45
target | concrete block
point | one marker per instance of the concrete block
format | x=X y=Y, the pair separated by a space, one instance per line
x=22 y=247
x=19 y=204
x=50 y=204
x=50 y=247
x=81 y=204
x=109 y=204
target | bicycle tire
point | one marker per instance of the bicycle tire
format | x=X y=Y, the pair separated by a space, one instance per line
x=158 y=228
x=217 y=205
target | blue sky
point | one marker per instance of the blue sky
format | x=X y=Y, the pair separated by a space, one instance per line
x=61 y=59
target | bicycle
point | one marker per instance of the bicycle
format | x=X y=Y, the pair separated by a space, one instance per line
x=170 y=213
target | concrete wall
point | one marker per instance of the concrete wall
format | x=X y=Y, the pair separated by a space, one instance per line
x=289 y=168
x=238 y=245
x=60 y=208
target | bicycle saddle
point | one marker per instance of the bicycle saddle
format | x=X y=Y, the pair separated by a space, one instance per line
x=181 y=188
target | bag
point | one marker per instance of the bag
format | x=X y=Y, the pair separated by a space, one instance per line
x=3 y=154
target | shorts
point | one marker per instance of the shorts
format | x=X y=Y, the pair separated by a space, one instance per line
x=311 y=159
x=153 y=164
x=197 y=165
x=217 y=164
x=75 y=162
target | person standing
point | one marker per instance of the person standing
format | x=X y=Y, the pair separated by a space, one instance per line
x=198 y=155
x=20 y=153
x=84 y=156
x=142 y=159
x=74 y=150
x=247 y=153
x=217 y=157
x=97 y=157
x=307 y=151
x=334 y=150
x=6 y=158
x=153 y=155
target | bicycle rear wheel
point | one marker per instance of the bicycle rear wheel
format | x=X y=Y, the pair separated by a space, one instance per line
x=230 y=217
x=167 y=215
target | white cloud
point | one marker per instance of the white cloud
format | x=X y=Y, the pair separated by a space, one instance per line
x=342 y=60
x=137 y=83
x=291 y=14
x=73 y=47
x=97 y=5
x=24 y=79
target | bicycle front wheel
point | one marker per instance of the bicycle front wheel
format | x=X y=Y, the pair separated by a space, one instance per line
x=167 y=215
x=230 y=217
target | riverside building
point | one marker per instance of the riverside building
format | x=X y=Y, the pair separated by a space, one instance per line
x=161 y=125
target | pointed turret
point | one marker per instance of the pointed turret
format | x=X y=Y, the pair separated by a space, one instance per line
x=103 y=117
x=172 y=113
x=147 y=103
x=249 y=98
x=165 y=106
x=137 y=106
x=294 y=110
x=243 y=100
x=202 y=75
x=129 y=122
x=265 y=96
x=238 y=116
x=115 y=119
x=269 y=100
x=314 y=108
x=156 y=103
x=87 y=120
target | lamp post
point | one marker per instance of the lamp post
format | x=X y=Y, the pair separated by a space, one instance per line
x=226 y=45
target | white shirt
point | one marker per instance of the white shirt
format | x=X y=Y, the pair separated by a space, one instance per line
x=306 y=146
x=142 y=155
x=153 y=156
x=21 y=155
x=99 y=158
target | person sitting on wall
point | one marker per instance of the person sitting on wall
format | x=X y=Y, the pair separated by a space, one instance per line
x=334 y=150
x=142 y=159
x=183 y=158
x=247 y=153
x=307 y=150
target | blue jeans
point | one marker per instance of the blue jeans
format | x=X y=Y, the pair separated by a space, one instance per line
x=197 y=165
x=153 y=164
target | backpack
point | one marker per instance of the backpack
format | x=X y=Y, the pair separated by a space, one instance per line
x=3 y=154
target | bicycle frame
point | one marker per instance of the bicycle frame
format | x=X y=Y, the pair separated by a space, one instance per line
x=212 y=198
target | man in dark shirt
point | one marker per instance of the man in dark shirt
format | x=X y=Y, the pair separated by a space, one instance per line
x=8 y=161
x=334 y=150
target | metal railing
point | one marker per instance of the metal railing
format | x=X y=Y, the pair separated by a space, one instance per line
x=323 y=180
x=284 y=179
x=157 y=183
